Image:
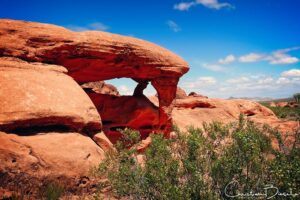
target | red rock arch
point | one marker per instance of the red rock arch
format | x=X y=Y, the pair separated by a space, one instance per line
x=94 y=56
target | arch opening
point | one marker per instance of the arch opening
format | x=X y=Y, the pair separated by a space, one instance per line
x=125 y=103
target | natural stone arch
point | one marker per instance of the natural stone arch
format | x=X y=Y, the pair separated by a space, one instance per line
x=94 y=56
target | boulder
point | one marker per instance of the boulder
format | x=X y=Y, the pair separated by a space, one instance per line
x=103 y=142
x=36 y=95
x=30 y=163
x=68 y=154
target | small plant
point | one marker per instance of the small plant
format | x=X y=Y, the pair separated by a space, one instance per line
x=53 y=191
x=285 y=112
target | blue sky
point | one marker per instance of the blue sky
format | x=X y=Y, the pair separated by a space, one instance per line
x=234 y=47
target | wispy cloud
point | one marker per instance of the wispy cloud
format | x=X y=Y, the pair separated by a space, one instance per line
x=281 y=56
x=173 y=26
x=212 y=4
x=213 y=67
x=275 y=58
x=291 y=73
x=124 y=90
x=96 y=26
x=200 y=82
x=247 y=86
x=219 y=65
x=184 y=6
x=227 y=60
x=252 y=57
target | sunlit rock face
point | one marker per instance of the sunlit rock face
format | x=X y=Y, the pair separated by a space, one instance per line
x=52 y=96
x=97 y=56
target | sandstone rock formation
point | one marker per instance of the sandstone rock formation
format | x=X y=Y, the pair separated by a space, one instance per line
x=196 y=110
x=193 y=111
x=282 y=104
x=59 y=154
x=119 y=112
x=42 y=95
x=180 y=93
x=48 y=124
x=100 y=87
x=194 y=94
x=95 y=56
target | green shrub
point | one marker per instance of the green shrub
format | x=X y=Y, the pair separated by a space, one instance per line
x=285 y=112
x=297 y=97
x=195 y=166
x=53 y=191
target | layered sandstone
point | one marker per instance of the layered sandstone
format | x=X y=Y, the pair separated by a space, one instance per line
x=96 y=56
x=119 y=112
x=52 y=91
x=41 y=95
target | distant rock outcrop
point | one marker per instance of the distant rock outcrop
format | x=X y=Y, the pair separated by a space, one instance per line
x=194 y=94
x=100 y=87
x=180 y=93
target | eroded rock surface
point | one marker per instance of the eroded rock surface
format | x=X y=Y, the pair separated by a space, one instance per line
x=40 y=95
x=193 y=111
x=95 y=56
x=66 y=154
x=28 y=164
x=119 y=112
x=50 y=127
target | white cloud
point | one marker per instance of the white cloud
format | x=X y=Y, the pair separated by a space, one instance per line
x=246 y=86
x=282 y=80
x=280 y=57
x=213 y=67
x=218 y=66
x=184 y=6
x=242 y=79
x=200 y=82
x=266 y=80
x=291 y=73
x=96 y=26
x=251 y=57
x=124 y=90
x=173 y=26
x=275 y=58
x=227 y=60
x=212 y=4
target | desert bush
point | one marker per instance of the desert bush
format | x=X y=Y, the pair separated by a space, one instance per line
x=297 y=97
x=192 y=166
x=285 y=112
x=51 y=191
